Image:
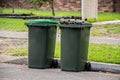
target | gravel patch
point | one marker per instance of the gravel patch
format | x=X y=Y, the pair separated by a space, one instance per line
x=8 y=42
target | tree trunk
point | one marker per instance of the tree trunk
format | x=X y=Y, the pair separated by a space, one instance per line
x=13 y=6
x=52 y=7
x=13 y=11
x=1 y=11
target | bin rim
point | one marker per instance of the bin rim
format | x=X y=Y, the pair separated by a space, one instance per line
x=41 y=22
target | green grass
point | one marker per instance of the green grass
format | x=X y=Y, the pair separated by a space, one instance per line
x=107 y=53
x=41 y=12
x=12 y=24
x=105 y=29
x=104 y=53
x=57 y=50
x=106 y=16
x=102 y=16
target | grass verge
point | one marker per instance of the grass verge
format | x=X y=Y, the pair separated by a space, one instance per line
x=104 y=53
x=107 y=53
x=12 y=24
x=97 y=30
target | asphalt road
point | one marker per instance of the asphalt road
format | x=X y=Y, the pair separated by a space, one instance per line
x=24 y=35
x=22 y=72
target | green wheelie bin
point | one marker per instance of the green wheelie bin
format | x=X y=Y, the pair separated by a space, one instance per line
x=42 y=38
x=74 y=44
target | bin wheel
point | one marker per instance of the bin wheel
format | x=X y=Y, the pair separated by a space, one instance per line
x=87 y=66
x=54 y=64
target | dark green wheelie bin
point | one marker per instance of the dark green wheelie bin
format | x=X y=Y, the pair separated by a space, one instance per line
x=74 y=44
x=42 y=38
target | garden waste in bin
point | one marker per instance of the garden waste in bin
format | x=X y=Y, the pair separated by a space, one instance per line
x=42 y=38
x=74 y=44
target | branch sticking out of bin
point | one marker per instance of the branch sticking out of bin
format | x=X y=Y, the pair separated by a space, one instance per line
x=71 y=21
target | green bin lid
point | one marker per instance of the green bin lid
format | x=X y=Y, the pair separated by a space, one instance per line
x=42 y=22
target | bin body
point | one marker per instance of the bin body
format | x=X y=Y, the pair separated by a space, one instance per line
x=42 y=38
x=74 y=46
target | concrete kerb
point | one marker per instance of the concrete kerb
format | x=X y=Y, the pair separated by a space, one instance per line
x=99 y=66
x=107 y=67
x=95 y=66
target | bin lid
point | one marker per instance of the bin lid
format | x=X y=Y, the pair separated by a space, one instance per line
x=42 y=22
x=72 y=23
